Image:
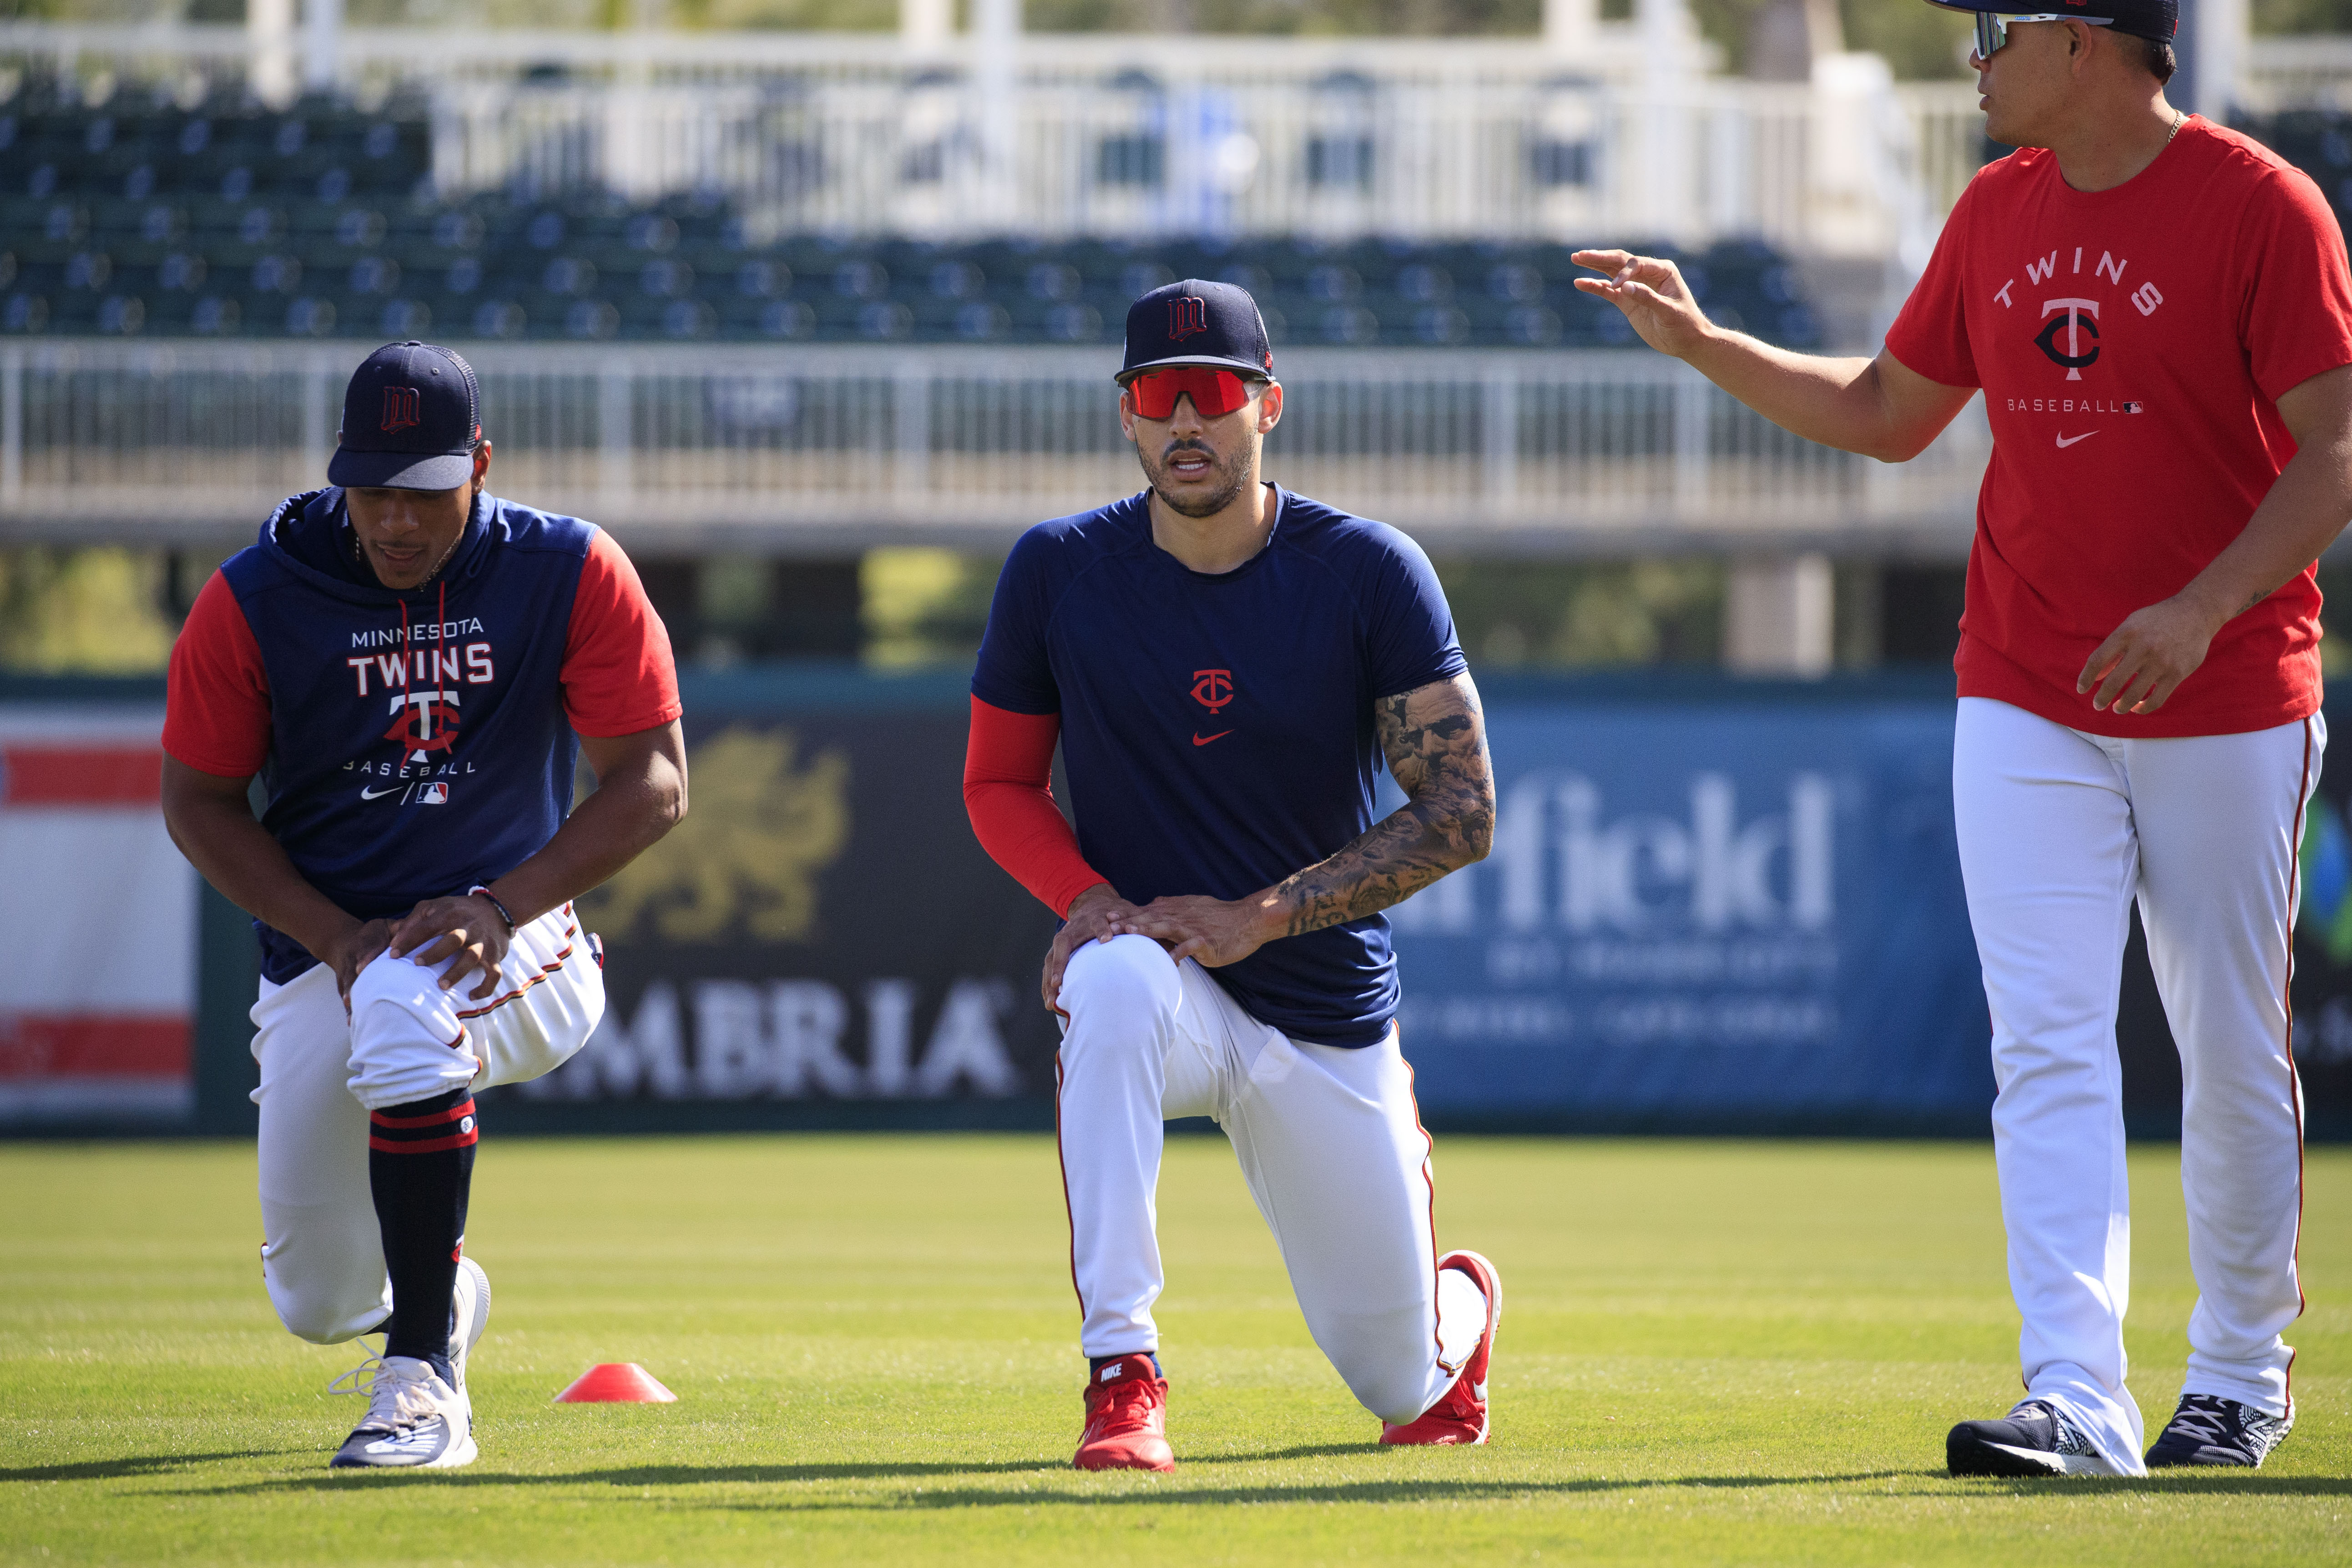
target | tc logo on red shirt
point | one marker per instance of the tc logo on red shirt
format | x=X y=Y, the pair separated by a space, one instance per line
x=2082 y=316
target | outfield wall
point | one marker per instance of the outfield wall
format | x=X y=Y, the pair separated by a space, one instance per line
x=1712 y=906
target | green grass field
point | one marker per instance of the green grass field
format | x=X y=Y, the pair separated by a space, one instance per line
x=1711 y=1352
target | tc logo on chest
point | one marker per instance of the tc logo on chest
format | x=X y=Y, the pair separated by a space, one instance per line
x=1211 y=688
x=2080 y=323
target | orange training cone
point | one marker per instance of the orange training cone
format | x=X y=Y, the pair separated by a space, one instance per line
x=616 y=1383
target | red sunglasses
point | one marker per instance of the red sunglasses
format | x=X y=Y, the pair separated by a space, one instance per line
x=1214 y=393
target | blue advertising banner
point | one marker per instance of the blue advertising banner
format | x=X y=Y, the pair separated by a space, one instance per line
x=1724 y=914
x=1712 y=906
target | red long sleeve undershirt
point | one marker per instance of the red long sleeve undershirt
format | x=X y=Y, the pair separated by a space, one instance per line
x=1008 y=791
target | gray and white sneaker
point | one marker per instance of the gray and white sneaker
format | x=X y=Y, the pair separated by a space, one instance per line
x=415 y=1421
x=2210 y=1430
x=469 y=1314
x=2034 y=1440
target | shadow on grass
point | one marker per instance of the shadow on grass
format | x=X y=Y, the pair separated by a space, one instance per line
x=1182 y=1490
x=636 y=1476
x=130 y=1465
x=1149 y=1490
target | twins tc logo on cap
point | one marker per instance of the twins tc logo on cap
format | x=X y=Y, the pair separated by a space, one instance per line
x=1187 y=314
x=400 y=413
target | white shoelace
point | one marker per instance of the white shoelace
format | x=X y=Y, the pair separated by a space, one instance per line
x=400 y=1393
x=361 y=1379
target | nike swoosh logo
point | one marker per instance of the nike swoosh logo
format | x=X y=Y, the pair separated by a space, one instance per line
x=1199 y=739
x=372 y=793
x=2067 y=441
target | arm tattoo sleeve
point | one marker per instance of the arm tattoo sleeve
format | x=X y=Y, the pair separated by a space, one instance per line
x=1435 y=740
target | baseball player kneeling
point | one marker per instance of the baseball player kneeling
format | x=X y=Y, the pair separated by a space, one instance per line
x=1226 y=664
x=404 y=662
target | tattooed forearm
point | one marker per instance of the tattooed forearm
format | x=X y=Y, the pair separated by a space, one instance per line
x=1435 y=741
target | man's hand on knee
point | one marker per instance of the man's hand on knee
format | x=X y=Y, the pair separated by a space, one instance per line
x=1212 y=933
x=1095 y=915
x=470 y=931
x=353 y=950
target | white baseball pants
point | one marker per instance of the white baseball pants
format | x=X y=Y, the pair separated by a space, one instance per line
x=1330 y=1145
x=405 y=1039
x=2059 y=832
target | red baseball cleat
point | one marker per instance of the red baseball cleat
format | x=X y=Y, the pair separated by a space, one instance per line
x=1126 y=1418
x=1461 y=1415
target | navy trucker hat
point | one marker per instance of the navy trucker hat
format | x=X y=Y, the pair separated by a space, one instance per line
x=2158 y=19
x=412 y=416
x=1197 y=322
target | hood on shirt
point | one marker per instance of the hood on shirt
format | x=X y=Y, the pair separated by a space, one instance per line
x=310 y=535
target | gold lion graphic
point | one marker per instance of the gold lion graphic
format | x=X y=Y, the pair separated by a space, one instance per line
x=756 y=832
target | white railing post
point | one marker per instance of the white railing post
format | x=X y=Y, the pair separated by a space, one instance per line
x=11 y=427
x=1692 y=394
x=615 y=440
x=911 y=431
x=323 y=44
x=1500 y=425
x=318 y=436
x=269 y=31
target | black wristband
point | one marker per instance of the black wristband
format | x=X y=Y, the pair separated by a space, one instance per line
x=478 y=891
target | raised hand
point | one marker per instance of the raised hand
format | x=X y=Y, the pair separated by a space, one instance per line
x=1652 y=295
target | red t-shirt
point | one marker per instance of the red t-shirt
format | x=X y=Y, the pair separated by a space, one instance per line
x=2132 y=344
x=617 y=673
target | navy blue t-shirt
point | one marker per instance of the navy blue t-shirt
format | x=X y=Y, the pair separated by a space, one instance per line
x=1217 y=729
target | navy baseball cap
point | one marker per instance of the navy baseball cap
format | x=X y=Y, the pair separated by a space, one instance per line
x=2158 y=19
x=412 y=417
x=1197 y=322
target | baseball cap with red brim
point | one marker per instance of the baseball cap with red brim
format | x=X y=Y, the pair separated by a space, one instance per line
x=412 y=418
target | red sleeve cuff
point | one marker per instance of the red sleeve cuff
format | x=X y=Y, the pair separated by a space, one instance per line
x=1008 y=791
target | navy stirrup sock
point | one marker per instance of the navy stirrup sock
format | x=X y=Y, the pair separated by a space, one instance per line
x=420 y=1171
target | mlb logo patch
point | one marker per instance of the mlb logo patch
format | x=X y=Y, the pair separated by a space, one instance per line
x=2134 y=408
x=434 y=795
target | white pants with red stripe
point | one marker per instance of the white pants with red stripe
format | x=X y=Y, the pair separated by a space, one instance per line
x=2059 y=832
x=1330 y=1145
x=405 y=1039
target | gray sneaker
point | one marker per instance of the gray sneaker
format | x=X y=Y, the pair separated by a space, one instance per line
x=415 y=1421
x=2210 y=1430
x=2034 y=1440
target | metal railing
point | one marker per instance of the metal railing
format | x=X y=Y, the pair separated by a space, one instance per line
x=840 y=449
x=1122 y=136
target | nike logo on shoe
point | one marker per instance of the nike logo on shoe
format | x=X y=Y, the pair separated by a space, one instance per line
x=1201 y=740
x=2067 y=441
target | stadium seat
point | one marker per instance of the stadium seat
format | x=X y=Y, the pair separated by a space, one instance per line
x=227 y=219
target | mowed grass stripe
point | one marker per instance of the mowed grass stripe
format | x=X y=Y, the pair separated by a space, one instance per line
x=1712 y=1352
